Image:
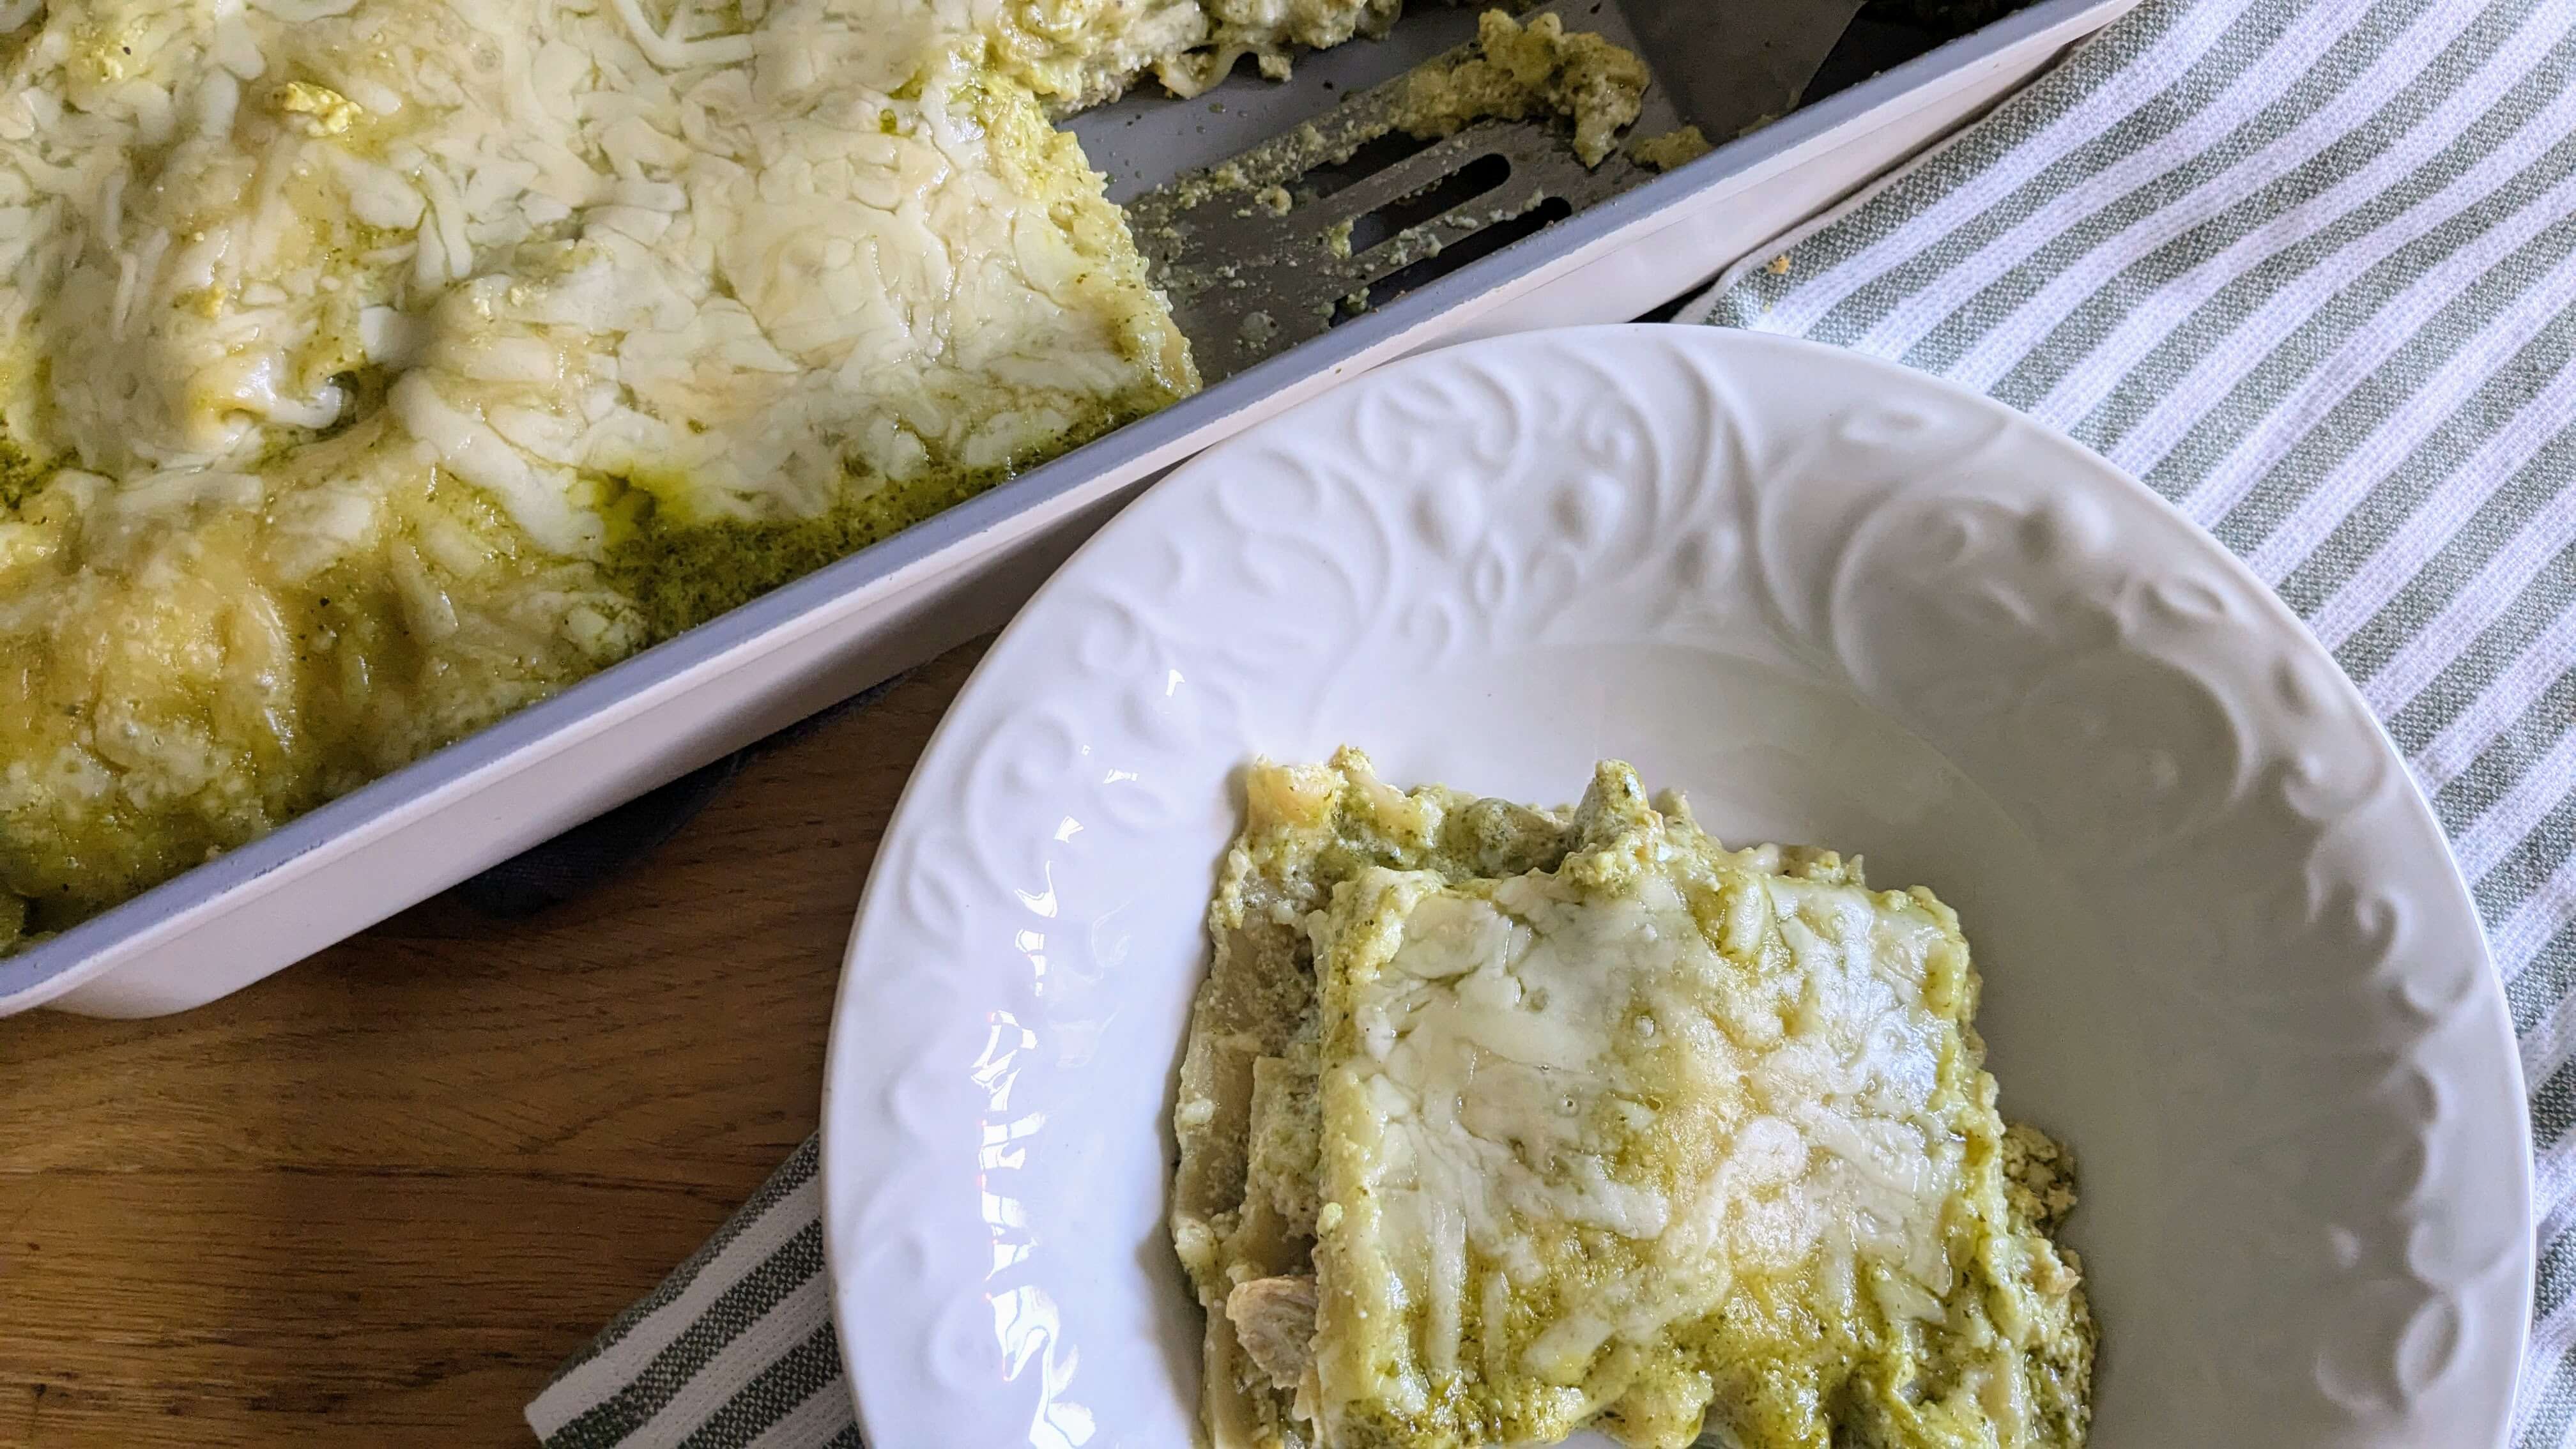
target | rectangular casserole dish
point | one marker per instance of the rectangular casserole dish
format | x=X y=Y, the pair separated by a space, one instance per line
x=698 y=697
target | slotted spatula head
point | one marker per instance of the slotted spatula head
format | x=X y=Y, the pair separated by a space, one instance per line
x=1281 y=242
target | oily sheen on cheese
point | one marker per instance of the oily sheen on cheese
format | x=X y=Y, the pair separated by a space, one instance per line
x=1609 y=1127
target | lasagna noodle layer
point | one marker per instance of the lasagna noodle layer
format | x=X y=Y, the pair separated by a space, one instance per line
x=1244 y=1200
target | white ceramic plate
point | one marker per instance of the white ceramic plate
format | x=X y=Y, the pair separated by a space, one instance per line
x=2226 y=954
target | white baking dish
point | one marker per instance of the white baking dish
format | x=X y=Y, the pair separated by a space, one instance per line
x=719 y=687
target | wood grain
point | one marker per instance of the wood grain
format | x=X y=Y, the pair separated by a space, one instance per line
x=375 y=1199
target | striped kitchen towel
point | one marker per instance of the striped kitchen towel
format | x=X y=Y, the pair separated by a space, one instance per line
x=2307 y=268
x=2310 y=271
x=735 y=1348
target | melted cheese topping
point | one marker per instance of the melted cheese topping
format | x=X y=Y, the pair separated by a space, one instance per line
x=1648 y=1130
x=1076 y=52
x=587 y=241
x=344 y=345
x=1246 y=1201
x=1567 y=1105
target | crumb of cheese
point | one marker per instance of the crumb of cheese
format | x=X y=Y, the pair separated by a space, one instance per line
x=316 y=110
x=1520 y=71
x=1671 y=150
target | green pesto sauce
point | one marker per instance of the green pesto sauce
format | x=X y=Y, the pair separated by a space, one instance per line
x=357 y=657
x=681 y=574
x=20 y=476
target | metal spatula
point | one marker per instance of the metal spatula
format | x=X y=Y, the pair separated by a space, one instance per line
x=1305 y=230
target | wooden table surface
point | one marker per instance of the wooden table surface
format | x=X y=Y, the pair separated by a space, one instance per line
x=376 y=1198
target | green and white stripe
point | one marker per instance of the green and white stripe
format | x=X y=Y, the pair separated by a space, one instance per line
x=2309 y=269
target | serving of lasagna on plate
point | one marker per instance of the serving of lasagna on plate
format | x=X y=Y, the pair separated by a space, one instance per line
x=1498 y=1123
x=372 y=368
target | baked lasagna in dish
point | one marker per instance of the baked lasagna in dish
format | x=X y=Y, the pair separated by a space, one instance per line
x=372 y=368
x=1499 y=1123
